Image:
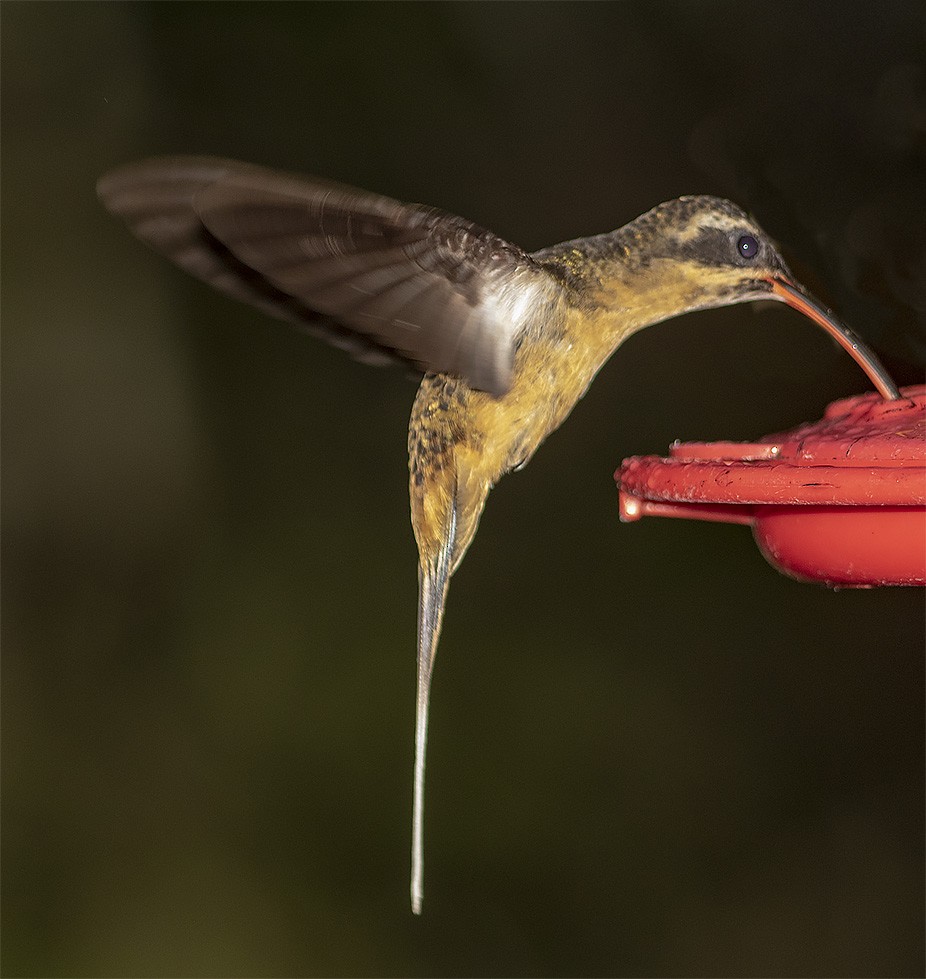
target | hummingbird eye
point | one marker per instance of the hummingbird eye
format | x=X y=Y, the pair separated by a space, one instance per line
x=747 y=246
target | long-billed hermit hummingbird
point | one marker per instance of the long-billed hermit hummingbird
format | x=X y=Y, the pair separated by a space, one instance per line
x=508 y=341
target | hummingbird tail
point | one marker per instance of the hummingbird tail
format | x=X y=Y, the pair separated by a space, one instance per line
x=433 y=580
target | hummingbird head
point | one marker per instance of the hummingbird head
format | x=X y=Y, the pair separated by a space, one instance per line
x=701 y=252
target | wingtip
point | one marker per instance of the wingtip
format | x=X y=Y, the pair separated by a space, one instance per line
x=153 y=170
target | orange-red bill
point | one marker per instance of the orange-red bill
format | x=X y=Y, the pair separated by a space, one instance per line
x=795 y=296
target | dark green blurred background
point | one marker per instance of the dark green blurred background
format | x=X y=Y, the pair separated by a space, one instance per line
x=650 y=753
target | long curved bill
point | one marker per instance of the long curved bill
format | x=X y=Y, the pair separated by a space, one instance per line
x=794 y=295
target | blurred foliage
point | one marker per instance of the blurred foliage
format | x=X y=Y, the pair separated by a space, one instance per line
x=650 y=754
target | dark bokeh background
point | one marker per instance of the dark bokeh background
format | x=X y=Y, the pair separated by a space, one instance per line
x=650 y=753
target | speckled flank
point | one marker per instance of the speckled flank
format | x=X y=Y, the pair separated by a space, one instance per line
x=437 y=426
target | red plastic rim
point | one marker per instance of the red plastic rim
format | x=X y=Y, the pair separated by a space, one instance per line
x=840 y=500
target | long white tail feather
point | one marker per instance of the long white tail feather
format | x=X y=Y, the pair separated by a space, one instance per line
x=432 y=593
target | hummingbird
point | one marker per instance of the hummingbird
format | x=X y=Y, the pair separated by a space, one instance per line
x=507 y=341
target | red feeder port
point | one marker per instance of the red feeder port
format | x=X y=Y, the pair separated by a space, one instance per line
x=841 y=500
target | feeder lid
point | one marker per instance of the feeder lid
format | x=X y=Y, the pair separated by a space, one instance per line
x=864 y=461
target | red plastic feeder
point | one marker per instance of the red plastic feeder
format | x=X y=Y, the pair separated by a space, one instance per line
x=841 y=500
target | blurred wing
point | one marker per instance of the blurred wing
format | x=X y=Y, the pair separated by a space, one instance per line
x=385 y=280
